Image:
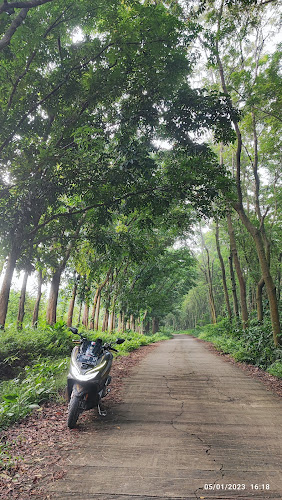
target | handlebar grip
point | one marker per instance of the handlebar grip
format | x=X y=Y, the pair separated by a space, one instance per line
x=112 y=349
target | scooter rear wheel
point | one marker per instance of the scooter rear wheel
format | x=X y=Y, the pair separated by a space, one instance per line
x=74 y=411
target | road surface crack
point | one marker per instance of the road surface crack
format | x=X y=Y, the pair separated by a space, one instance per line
x=207 y=446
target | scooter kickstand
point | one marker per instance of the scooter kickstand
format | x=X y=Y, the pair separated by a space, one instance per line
x=102 y=413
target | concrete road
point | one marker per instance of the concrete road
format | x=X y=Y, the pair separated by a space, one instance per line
x=191 y=426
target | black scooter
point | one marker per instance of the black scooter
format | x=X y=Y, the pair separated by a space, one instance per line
x=88 y=377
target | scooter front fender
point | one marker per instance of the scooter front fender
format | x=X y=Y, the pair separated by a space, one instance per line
x=78 y=390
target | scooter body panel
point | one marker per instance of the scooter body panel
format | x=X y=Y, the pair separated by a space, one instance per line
x=88 y=376
x=88 y=381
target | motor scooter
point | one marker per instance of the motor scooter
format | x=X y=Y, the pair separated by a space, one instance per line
x=89 y=375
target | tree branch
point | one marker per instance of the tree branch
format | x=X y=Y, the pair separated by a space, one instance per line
x=9 y=6
x=263 y=217
x=5 y=40
x=268 y=1
x=97 y=205
x=32 y=56
x=51 y=93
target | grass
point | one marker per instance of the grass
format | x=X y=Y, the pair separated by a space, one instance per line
x=40 y=360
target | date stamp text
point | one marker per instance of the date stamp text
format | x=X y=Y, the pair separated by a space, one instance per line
x=236 y=486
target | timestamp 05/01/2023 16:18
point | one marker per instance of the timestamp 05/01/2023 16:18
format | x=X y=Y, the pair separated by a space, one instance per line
x=237 y=486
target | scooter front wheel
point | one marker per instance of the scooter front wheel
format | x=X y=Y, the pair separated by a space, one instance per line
x=74 y=411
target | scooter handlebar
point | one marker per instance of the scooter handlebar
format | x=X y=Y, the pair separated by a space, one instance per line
x=109 y=347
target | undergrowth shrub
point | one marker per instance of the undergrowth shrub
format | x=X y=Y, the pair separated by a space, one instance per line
x=275 y=369
x=21 y=348
x=36 y=384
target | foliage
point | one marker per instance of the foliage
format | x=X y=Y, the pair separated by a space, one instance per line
x=87 y=195
x=241 y=56
x=35 y=385
x=275 y=369
x=79 y=122
x=14 y=304
x=20 y=348
x=159 y=283
x=7 y=458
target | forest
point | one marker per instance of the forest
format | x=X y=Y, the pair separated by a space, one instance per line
x=140 y=183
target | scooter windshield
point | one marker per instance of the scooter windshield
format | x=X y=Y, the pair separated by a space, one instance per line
x=90 y=353
x=96 y=348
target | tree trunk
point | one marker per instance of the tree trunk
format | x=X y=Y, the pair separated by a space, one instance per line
x=226 y=296
x=210 y=288
x=208 y=276
x=143 y=322
x=269 y=283
x=85 y=317
x=105 y=321
x=51 y=315
x=79 y=314
x=132 y=323
x=241 y=279
x=6 y=286
x=71 y=305
x=260 y=286
x=279 y=277
x=119 y=328
x=112 y=321
x=258 y=234
x=155 y=325
x=55 y=283
x=254 y=300
x=38 y=299
x=234 y=290
x=97 y=313
x=97 y=297
x=92 y=320
x=123 y=321
x=212 y=306
x=21 y=310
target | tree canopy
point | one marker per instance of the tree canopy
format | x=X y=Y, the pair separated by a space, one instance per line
x=122 y=125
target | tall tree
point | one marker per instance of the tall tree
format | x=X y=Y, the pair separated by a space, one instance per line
x=227 y=26
x=222 y=265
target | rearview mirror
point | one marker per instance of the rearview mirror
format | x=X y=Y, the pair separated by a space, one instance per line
x=120 y=341
x=74 y=330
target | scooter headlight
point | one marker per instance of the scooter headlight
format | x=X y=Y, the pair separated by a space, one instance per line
x=89 y=374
